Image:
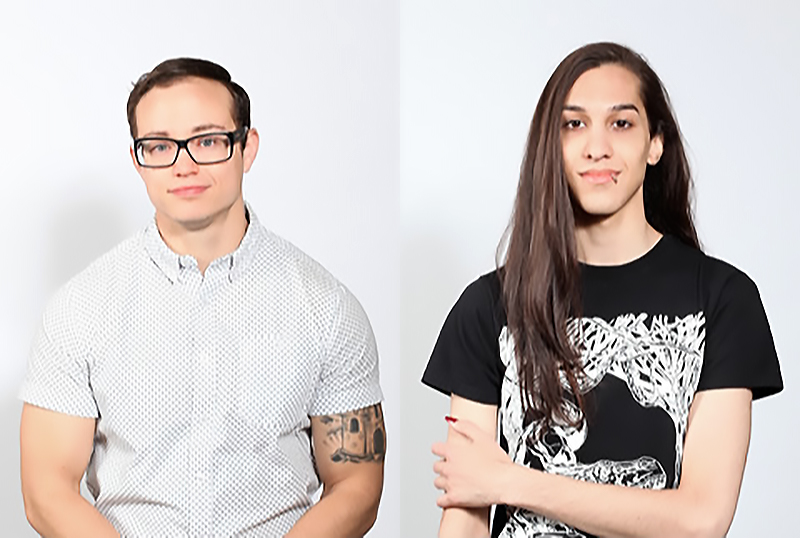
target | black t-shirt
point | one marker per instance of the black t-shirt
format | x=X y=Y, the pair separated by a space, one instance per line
x=654 y=331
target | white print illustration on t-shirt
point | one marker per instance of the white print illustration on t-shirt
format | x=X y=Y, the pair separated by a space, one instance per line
x=660 y=365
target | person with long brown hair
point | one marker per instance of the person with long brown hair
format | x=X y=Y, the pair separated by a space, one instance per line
x=601 y=378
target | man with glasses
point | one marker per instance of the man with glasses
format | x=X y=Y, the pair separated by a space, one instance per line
x=205 y=374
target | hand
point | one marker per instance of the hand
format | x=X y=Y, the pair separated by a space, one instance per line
x=473 y=469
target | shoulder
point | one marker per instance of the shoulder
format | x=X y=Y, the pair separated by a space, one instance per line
x=78 y=306
x=294 y=263
x=90 y=287
x=483 y=295
x=479 y=307
x=302 y=283
x=721 y=280
x=714 y=276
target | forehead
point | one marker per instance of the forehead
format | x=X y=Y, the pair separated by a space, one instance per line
x=178 y=108
x=604 y=87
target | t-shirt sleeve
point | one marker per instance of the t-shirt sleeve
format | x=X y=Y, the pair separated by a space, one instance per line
x=739 y=352
x=466 y=358
x=58 y=368
x=349 y=377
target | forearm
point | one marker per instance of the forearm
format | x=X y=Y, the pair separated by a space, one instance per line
x=348 y=510
x=66 y=514
x=464 y=523
x=615 y=511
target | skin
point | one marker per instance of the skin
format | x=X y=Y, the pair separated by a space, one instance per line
x=54 y=452
x=351 y=487
x=605 y=128
x=601 y=132
x=206 y=222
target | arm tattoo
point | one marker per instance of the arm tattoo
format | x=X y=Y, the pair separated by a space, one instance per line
x=357 y=436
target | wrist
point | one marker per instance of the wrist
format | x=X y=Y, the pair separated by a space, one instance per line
x=508 y=483
x=519 y=483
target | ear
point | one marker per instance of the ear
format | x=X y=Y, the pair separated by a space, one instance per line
x=250 y=149
x=656 y=149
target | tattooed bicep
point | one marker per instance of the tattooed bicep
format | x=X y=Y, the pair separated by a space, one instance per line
x=355 y=436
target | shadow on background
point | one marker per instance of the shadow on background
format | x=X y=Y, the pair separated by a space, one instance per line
x=81 y=231
x=12 y=512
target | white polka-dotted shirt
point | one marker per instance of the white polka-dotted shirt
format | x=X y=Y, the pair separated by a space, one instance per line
x=202 y=385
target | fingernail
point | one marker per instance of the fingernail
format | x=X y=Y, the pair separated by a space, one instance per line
x=450 y=419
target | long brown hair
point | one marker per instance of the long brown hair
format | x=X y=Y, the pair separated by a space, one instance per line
x=540 y=275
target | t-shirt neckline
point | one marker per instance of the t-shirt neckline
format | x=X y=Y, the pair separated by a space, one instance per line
x=647 y=259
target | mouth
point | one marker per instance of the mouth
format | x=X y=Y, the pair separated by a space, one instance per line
x=188 y=190
x=599 y=177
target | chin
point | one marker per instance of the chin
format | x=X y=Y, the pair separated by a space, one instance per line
x=593 y=213
x=188 y=218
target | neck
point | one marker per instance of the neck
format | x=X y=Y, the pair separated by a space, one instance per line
x=205 y=241
x=614 y=240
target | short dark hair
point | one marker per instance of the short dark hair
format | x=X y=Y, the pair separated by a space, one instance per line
x=171 y=71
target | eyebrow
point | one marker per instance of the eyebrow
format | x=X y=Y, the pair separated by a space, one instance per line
x=615 y=108
x=198 y=129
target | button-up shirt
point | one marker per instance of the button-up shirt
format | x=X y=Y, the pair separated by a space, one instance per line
x=202 y=384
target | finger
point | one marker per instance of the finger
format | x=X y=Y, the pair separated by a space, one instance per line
x=439 y=466
x=440 y=482
x=464 y=427
x=445 y=501
x=440 y=449
x=469 y=429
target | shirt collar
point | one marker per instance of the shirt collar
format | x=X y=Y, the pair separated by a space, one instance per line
x=235 y=263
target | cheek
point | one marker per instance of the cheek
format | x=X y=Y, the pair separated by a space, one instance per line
x=570 y=151
x=223 y=178
x=635 y=152
x=152 y=182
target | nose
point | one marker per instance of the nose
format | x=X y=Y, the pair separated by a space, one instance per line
x=598 y=146
x=184 y=165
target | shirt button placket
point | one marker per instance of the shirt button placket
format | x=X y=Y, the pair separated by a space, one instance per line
x=201 y=444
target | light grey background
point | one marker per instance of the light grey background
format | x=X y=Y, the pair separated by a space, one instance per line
x=323 y=81
x=471 y=74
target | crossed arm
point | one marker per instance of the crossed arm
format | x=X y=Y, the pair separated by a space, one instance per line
x=349 y=457
x=475 y=473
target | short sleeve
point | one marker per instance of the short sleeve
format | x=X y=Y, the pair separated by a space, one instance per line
x=58 y=376
x=739 y=352
x=349 y=377
x=466 y=358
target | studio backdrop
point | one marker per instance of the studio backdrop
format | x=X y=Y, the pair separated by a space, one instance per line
x=323 y=82
x=471 y=74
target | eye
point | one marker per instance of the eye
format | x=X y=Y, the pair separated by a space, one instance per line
x=155 y=147
x=622 y=124
x=573 y=124
x=207 y=142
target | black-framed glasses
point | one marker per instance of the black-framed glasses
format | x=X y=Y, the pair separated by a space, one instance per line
x=206 y=148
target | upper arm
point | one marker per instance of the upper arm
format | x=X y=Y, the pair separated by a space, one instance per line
x=350 y=445
x=55 y=448
x=715 y=451
x=462 y=522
